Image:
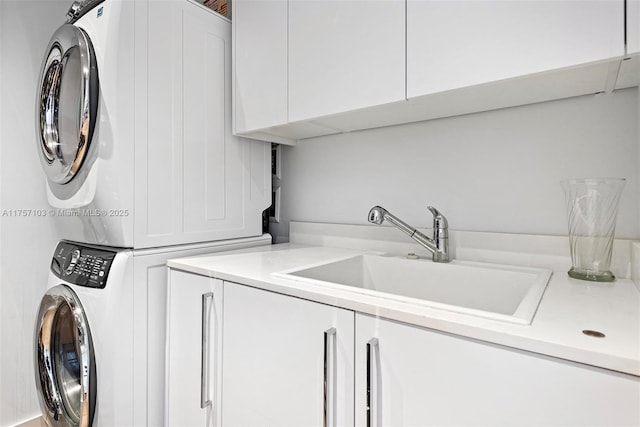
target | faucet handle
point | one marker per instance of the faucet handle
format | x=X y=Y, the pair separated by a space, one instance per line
x=439 y=220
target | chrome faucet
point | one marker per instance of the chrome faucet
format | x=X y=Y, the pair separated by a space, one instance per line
x=438 y=246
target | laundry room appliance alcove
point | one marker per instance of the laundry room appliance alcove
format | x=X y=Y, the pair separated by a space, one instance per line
x=134 y=135
x=134 y=128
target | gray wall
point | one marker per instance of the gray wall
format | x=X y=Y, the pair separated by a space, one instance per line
x=26 y=242
x=495 y=171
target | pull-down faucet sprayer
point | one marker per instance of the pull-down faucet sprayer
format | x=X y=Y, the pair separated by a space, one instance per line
x=438 y=245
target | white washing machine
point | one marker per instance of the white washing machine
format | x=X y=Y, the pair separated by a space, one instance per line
x=135 y=153
x=100 y=333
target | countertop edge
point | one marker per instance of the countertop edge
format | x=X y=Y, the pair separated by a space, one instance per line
x=452 y=323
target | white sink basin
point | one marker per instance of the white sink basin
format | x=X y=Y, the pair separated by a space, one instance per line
x=494 y=291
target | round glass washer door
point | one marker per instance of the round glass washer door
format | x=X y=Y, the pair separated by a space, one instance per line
x=67 y=103
x=65 y=363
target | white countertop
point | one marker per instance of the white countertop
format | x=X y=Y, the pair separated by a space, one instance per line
x=568 y=306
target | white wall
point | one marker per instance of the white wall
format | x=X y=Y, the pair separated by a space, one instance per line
x=495 y=171
x=26 y=243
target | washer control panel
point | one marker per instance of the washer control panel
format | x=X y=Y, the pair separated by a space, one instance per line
x=82 y=265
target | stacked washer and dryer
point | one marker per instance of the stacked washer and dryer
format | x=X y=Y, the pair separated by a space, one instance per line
x=140 y=167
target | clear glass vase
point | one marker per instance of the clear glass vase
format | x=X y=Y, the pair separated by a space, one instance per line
x=592 y=209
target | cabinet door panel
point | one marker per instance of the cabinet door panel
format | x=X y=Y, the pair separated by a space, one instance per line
x=344 y=55
x=195 y=181
x=194 y=302
x=213 y=193
x=260 y=64
x=455 y=44
x=633 y=26
x=273 y=358
x=422 y=377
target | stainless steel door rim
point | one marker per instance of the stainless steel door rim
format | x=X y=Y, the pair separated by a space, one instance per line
x=64 y=360
x=67 y=103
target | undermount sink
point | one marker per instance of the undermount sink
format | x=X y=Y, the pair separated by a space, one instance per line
x=500 y=292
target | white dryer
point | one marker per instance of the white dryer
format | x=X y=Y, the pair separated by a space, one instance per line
x=133 y=128
x=85 y=147
x=100 y=333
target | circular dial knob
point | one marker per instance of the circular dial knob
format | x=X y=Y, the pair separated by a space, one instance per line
x=71 y=262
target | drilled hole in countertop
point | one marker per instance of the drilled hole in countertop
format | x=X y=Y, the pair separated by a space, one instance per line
x=595 y=334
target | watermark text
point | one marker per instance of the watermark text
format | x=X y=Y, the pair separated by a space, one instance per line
x=81 y=212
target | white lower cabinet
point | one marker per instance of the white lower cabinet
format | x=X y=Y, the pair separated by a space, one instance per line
x=266 y=359
x=418 y=377
x=287 y=361
x=194 y=339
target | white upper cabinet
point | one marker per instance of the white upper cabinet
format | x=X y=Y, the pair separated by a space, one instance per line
x=633 y=26
x=307 y=68
x=344 y=55
x=260 y=64
x=629 y=72
x=457 y=44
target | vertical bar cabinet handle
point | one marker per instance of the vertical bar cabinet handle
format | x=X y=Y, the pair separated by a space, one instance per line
x=329 y=334
x=205 y=349
x=371 y=345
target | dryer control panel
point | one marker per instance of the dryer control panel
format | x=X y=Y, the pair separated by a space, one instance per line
x=81 y=264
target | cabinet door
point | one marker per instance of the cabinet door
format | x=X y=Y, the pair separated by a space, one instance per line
x=260 y=64
x=280 y=354
x=633 y=26
x=344 y=55
x=455 y=44
x=195 y=181
x=422 y=377
x=194 y=316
